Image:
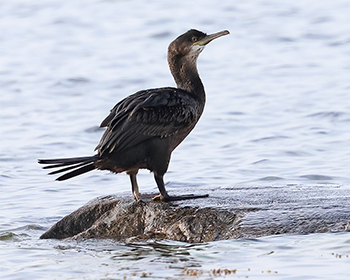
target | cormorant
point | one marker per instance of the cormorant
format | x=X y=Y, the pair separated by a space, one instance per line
x=143 y=129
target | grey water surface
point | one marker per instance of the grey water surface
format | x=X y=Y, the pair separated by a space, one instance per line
x=277 y=113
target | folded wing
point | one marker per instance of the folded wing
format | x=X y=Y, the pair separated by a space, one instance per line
x=150 y=113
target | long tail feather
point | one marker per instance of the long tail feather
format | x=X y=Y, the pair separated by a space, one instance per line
x=65 y=163
x=67 y=168
x=77 y=172
x=66 y=160
x=80 y=165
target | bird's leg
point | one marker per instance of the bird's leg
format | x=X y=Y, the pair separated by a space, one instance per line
x=164 y=194
x=134 y=185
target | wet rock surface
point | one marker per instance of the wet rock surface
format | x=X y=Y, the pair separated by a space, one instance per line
x=228 y=213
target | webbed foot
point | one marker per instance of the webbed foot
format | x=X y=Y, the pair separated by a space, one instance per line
x=178 y=198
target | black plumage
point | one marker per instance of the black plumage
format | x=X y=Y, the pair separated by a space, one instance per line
x=143 y=129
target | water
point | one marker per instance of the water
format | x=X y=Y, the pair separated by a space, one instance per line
x=318 y=256
x=277 y=113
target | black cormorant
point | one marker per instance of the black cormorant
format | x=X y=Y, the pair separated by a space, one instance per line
x=143 y=129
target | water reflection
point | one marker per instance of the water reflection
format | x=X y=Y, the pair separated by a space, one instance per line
x=168 y=253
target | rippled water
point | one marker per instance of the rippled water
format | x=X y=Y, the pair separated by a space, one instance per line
x=317 y=256
x=277 y=112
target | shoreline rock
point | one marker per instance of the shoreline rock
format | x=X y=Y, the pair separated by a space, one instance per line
x=228 y=213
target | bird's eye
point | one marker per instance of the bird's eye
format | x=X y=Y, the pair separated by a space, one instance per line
x=194 y=39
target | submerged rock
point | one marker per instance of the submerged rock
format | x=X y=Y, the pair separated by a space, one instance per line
x=246 y=212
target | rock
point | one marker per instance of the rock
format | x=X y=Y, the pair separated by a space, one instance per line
x=240 y=212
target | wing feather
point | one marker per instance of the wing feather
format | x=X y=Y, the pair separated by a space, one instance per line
x=150 y=113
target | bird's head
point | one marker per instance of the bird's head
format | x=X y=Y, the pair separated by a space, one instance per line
x=192 y=43
x=182 y=58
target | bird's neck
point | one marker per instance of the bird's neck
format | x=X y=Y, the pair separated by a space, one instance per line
x=186 y=76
